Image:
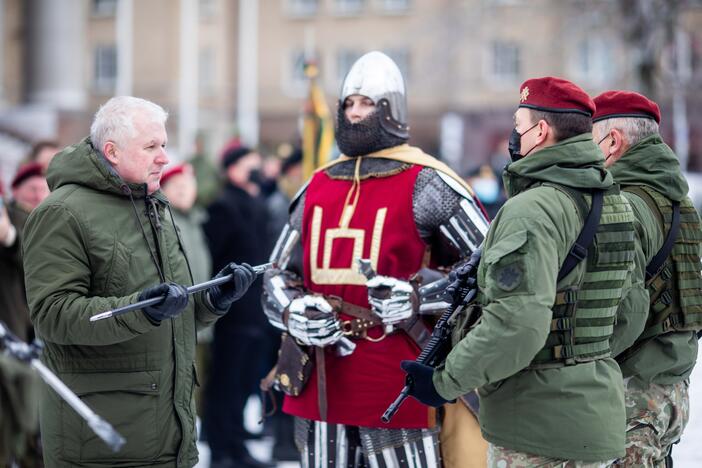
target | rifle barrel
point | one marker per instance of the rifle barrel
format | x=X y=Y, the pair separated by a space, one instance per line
x=395 y=406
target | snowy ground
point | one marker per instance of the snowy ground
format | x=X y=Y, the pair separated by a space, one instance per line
x=687 y=454
x=259 y=449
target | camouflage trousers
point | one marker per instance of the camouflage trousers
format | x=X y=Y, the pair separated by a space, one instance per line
x=655 y=418
x=500 y=457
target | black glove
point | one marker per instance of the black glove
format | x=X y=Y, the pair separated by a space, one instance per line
x=422 y=388
x=175 y=299
x=223 y=295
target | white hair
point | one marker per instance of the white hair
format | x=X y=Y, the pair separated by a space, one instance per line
x=634 y=129
x=114 y=120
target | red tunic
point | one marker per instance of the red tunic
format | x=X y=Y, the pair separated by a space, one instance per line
x=361 y=386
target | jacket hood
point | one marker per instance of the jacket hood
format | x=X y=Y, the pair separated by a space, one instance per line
x=576 y=162
x=652 y=163
x=82 y=164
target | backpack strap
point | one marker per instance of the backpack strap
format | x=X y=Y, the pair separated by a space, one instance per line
x=656 y=264
x=578 y=252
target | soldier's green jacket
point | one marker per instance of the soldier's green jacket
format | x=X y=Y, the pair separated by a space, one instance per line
x=668 y=358
x=573 y=412
x=85 y=253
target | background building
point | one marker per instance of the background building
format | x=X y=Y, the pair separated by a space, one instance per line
x=234 y=67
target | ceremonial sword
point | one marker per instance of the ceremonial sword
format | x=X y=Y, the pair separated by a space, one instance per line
x=258 y=269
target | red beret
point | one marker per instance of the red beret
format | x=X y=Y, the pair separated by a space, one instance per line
x=611 y=104
x=25 y=172
x=553 y=94
x=175 y=170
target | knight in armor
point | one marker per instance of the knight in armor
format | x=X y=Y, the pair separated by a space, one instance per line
x=556 y=263
x=657 y=367
x=346 y=332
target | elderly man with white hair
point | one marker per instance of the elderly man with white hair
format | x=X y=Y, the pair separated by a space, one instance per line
x=104 y=238
x=657 y=367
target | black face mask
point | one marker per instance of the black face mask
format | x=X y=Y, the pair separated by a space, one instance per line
x=256 y=176
x=515 y=144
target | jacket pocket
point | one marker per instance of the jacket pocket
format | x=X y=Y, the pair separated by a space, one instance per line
x=506 y=272
x=505 y=247
x=128 y=401
x=115 y=283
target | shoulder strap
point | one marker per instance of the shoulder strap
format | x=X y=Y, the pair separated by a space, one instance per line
x=579 y=249
x=654 y=267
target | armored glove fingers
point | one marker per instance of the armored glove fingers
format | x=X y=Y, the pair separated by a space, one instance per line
x=223 y=295
x=313 y=322
x=175 y=300
x=391 y=299
x=422 y=388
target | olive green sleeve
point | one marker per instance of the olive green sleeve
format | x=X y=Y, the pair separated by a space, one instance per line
x=58 y=278
x=520 y=266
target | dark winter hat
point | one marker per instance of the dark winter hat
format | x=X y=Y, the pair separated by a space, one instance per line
x=25 y=172
x=613 y=104
x=232 y=155
x=553 y=94
x=292 y=160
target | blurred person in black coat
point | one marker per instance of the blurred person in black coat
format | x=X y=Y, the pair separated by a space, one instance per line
x=236 y=229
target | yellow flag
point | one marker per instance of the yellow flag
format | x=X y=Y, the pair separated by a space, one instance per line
x=317 y=128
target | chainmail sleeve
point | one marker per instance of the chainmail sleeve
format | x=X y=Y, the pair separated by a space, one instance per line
x=433 y=202
x=448 y=218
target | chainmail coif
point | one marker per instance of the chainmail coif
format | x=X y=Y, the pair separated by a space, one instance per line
x=364 y=137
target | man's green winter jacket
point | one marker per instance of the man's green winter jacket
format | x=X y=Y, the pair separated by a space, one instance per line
x=85 y=252
x=573 y=412
x=668 y=358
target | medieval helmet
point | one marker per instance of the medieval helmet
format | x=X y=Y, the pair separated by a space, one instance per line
x=377 y=76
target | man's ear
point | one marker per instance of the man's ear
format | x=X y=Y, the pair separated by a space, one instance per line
x=109 y=149
x=618 y=143
x=544 y=132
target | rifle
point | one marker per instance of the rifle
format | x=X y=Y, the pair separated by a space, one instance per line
x=463 y=291
x=30 y=354
x=258 y=269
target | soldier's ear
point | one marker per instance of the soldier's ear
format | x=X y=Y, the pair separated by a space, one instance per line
x=618 y=142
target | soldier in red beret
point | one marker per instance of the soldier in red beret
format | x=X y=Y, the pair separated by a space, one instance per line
x=657 y=367
x=556 y=261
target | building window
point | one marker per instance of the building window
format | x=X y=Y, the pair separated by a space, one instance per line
x=401 y=57
x=104 y=7
x=344 y=59
x=302 y=7
x=505 y=62
x=348 y=7
x=395 y=6
x=592 y=61
x=105 y=68
x=207 y=9
x=207 y=71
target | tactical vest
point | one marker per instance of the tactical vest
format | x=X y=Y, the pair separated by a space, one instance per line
x=675 y=290
x=584 y=313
